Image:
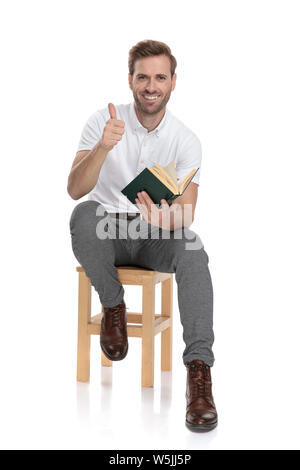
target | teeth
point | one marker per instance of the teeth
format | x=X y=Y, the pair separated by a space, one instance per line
x=150 y=98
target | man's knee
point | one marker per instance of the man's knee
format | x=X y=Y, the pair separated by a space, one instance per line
x=189 y=240
x=192 y=256
x=83 y=213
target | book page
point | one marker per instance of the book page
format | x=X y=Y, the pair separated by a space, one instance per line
x=165 y=179
x=171 y=170
x=185 y=181
x=165 y=176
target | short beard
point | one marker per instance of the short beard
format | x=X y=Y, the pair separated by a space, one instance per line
x=144 y=110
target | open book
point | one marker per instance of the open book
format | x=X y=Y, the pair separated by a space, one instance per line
x=159 y=182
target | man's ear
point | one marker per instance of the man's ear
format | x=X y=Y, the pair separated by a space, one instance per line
x=130 y=81
x=174 y=81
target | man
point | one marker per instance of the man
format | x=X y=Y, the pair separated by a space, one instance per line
x=116 y=144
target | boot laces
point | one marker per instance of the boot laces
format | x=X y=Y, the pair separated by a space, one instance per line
x=116 y=315
x=116 y=318
x=200 y=378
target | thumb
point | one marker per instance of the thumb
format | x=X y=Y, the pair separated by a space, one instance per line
x=163 y=204
x=112 y=111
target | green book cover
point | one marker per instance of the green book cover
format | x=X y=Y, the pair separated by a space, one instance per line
x=147 y=181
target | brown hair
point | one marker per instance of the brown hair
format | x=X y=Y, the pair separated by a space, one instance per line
x=150 y=48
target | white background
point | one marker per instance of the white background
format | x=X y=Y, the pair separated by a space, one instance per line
x=238 y=89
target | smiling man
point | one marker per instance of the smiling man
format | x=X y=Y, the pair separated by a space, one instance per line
x=116 y=144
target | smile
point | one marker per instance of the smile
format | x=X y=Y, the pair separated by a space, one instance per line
x=150 y=98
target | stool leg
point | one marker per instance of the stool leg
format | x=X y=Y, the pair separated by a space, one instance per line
x=84 y=316
x=166 y=335
x=148 y=318
x=104 y=360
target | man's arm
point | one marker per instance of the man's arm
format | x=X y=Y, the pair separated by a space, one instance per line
x=179 y=214
x=183 y=216
x=189 y=157
x=87 y=164
x=85 y=171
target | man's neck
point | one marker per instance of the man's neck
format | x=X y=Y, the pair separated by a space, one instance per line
x=150 y=122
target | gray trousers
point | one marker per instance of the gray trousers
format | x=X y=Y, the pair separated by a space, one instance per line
x=101 y=243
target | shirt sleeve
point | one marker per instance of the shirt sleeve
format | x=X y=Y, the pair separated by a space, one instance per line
x=190 y=157
x=92 y=132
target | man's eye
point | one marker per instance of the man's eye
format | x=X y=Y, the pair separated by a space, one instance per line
x=161 y=78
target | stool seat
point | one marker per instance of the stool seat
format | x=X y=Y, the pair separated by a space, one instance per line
x=144 y=325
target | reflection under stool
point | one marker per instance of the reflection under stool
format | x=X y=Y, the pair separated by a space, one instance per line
x=144 y=325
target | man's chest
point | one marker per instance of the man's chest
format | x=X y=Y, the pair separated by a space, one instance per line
x=140 y=150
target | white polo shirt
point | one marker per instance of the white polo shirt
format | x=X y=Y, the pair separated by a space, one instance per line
x=138 y=149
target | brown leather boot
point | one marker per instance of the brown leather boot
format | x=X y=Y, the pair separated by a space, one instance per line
x=201 y=413
x=113 y=334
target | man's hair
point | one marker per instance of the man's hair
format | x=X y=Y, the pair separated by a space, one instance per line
x=149 y=48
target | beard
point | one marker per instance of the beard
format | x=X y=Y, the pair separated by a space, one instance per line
x=155 y=108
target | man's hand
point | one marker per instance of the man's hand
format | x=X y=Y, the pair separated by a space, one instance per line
x=113 y=130
x=163 y=218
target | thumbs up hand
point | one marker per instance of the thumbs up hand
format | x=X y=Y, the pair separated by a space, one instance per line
x=112 y=111
x=113 y=130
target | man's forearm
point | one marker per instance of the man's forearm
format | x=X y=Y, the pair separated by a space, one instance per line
x=178 y=217
x=84 y=175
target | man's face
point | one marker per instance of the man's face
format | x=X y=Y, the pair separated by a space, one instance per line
x=151 y=83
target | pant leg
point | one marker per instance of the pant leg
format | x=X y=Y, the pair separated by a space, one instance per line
x=98 y=257
x=186 y=258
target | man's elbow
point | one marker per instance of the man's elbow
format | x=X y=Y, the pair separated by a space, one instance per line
x=74 y=196
x=71 y=191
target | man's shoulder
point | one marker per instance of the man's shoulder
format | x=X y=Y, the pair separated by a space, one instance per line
x=181 y=130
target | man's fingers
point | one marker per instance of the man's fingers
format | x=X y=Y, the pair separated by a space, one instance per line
x=145 y=198
x=113 y=130
x=112 y=111
x=118 y=130
x=164 y=203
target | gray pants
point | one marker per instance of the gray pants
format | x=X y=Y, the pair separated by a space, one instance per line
x=180 y=252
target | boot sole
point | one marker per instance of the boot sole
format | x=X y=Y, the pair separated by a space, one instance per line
x=112 y=358
x=201 y=427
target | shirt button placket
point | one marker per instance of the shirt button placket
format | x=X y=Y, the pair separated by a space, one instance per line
x=143 y=151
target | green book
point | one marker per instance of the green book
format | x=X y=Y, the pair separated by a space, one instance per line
x=159 y=182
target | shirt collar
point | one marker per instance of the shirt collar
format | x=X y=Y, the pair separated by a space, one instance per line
x=135 y=123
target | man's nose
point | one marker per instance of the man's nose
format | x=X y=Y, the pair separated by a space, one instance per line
x=151 y=86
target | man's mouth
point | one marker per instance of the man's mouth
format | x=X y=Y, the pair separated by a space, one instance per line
x=150 y=98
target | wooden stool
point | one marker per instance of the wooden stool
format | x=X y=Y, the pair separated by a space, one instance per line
x=143 y=325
